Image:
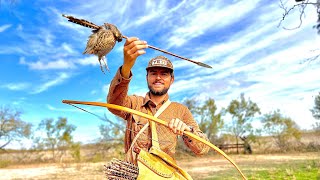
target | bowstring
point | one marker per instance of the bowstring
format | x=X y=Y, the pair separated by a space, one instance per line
x=150 y=138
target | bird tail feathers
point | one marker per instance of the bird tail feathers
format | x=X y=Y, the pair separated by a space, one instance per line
x=81 y=22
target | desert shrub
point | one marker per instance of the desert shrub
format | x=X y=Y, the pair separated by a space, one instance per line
x=75 y=151
x=4 y=163
x=98 y=157
x=313 y=147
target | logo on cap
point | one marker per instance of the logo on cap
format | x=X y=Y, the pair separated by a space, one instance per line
x=159 y=62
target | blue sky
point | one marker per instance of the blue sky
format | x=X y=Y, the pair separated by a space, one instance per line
x=42 y=61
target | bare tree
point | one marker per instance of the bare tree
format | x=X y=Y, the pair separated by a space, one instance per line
x=12 y=128
x=301 y=6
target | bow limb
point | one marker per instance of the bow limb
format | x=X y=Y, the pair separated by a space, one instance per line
x=138 y=113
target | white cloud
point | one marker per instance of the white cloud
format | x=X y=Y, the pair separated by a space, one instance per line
x=206 y=18
x=4 y=27
x=40 y=65
x=10 y=50
x=153 y=11
x=68 y=47
x=54 y=82
x=278 y=79
x=146 y=18
x=88 y=60
x=187 y=85
x=16 y=86
x=47 y=36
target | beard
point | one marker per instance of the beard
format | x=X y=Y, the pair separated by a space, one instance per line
x=158 y=93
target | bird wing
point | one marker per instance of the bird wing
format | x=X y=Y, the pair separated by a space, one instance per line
x=105 y=42
x=92 y=42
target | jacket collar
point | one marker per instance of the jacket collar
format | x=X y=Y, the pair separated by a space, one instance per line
x=147 y=99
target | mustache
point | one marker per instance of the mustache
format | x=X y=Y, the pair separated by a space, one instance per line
x=157 y=81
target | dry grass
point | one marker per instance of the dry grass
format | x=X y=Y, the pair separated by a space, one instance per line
x=29 y=165
x=198 y=167
x=309 y=142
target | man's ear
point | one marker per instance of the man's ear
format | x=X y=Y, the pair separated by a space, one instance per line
x=172 y=80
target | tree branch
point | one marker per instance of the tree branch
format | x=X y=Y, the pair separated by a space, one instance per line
x=302 y=7
x=2 y=147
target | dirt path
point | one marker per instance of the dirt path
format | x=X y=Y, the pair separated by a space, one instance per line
x=202 y=165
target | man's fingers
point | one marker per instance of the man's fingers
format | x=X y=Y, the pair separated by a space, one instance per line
x=136 y=43
x=137 y=53
x=130 y=40
x=175 y=125
x=136 y=48
x=180 y=127
x=171 y=124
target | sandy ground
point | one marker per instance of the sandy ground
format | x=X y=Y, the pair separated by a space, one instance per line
x=201 y=165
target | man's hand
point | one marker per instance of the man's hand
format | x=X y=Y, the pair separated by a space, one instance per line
x=131 y=50
x=178 y=127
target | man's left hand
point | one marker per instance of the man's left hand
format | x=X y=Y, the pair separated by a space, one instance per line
x=178 y=127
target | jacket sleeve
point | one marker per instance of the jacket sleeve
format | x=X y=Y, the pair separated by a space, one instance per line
x=118 y=94
x=197 y=147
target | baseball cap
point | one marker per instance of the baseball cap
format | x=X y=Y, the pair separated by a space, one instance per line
x=160 y=61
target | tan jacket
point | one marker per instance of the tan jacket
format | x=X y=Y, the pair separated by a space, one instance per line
x=167 y=139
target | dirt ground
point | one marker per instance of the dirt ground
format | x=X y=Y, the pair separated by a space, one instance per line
x=198 y=167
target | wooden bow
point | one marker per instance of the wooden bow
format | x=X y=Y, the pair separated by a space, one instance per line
x=138 y=113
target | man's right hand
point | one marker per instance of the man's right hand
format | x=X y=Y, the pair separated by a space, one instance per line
x=131 y=50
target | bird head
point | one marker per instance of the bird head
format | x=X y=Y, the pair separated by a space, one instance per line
x=117 y=34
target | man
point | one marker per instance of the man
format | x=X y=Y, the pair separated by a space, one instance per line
x=159 y=77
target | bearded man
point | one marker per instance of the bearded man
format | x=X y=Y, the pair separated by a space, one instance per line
x=160 y=76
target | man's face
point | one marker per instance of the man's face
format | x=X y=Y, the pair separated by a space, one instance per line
x=159 y=80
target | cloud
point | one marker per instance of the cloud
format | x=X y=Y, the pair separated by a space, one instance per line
x=12 y=50
x=4 y=27
x=153 y=11
x=206 y=18
x=16 y=86
x=54 y=82
x=93 y=92
x=262 y=61
x=40 y=65
x=88 y=60
x=68 y=48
